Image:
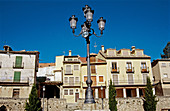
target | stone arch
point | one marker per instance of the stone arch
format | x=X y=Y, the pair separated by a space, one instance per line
x=3 y=108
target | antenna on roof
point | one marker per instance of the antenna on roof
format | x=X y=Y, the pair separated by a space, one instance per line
x=95 y=46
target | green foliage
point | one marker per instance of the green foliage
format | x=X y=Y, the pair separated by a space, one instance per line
x=34 y=102
x=149 y=98
x=112 y=97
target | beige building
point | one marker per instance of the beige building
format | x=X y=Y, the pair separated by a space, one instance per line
x=128 y=69
x=18 y=71
x=161 y=74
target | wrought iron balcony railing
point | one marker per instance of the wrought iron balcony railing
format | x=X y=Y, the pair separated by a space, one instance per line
x=145 y=70
x=130 y=70
x=16 y=66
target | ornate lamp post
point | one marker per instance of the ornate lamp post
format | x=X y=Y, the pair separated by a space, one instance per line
x=86 y=32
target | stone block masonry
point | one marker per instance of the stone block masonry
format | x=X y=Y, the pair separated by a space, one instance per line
x=55 y=104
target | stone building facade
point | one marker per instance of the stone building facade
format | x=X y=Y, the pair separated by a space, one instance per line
x=18 y=71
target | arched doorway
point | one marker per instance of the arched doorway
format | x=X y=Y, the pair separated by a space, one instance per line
x=3 y=108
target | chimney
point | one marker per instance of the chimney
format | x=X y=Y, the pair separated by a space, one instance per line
x=69 y=52
x=133 y=48
x=102 y=48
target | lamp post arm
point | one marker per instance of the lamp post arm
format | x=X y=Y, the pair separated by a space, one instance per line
x=96 y=34
x=75 y=34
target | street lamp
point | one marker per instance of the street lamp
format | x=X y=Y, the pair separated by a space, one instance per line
x=43 y=96
x=86 y=32
x=102 y=94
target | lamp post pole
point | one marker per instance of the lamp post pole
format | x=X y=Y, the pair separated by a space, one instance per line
x=102 y=95
x=86 y=32
x=43 y=96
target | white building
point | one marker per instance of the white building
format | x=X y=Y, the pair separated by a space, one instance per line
x=17 y=72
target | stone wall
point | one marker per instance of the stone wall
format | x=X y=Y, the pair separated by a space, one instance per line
x=54 y=104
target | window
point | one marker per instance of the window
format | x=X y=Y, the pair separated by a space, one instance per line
x=115 y=79
x=85 y=78
x=71 y=91
x=165 y=75
x=163 y=64
x=130 y=79
x=143 y=65
x=77 y=79
x=93 y=69
x=129 y=65
x=69 y=59
x=71 y=81
x=125 y=53
x=76 y=67
x=15 y=93
x=17 y=76
x=75 y=59
x=18 y=62
x=68 y=69
x=114 y=65
x=139 y=53
x=145 y=78
x=100 y=78
x=66 y=92
x=92 y=59
x=111 y=53
x=65 y=79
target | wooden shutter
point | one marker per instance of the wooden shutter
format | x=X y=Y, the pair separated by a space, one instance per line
x=145 y=78
x=93 y=78
x=130 y=79
x=115 y=79
x=68 y=69
x=18 y=62
x=71 y=81
x=17 y=76
x=93 y=69
x=100 y=78
x=76 y=67
x=85 y=78
x=92 y=59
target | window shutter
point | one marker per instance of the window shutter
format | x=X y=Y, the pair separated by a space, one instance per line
x=145 y=78
x=18 y=62
x=71 y=81
x=76 y=67
x=68 y=69
x=100 y=78
x=130 y=78
x=17 y=76
x=115 y=79
x=93 y=69
x=85 y=78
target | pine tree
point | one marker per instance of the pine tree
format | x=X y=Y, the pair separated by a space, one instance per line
x=149 y=98
x=34 y=102
x=112 y=97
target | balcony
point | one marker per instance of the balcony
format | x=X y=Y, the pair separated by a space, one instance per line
x=130 y=70
x=66 y=83
x=70 y=72
x=115 y=70
x=9 y=81
x=145 y=70
x=166 y=80
x=18 y=66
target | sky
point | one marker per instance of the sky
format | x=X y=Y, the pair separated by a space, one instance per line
x=43 y=25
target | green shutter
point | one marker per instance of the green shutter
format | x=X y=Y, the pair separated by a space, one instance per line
x=17 y=76
x=18 y=62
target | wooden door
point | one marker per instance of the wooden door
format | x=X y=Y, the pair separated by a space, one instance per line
x=76 y=96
